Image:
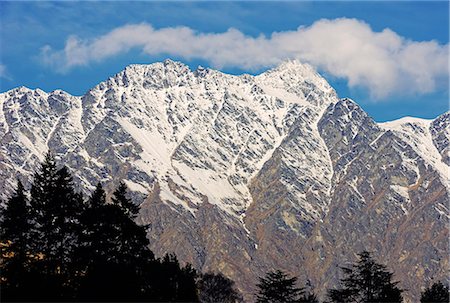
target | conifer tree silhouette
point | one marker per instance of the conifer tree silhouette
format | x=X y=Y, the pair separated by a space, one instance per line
x=172 y=283
x=187 y=288
x=55 y=211
x=96 y=240
x=42 y=206
x=114 y=250
x=15 y=233
x=120 y=199
x=58 y=247
x=368 y=282
x=277 y=287
x=437 y=293
x=217 y=288
x=134 y=237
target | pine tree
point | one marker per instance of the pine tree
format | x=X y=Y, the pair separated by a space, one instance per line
x=171 y=283
x=15 y=233
x=277 y=287
x=98 y=197
x=109 y=233
x=366 y=281
x=120 y=199
x=68 y=209
x=437 y=293
x=217 y=288
x=42 y=200
x=95 y=232
x=55 y=210
x=187 y=287
x=134 y=237
x=114 y=252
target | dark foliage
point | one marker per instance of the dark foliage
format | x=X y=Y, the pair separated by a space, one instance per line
x=437 y=293
x=120 y=199
x=277 y=287
x=216 y=288
x=14 y=244
x=113 y=252
x=366 y=281
x=61 y=248
x=110 y=281
x=55 y=212
x=309 y=298
x=57 y=247
x=172 y=283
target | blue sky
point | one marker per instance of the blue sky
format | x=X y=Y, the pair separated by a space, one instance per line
x=390 y=57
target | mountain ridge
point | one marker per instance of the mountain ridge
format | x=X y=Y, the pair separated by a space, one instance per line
x=266 y=171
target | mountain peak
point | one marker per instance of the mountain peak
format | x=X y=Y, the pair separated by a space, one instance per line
x=295 y=65
x=168 y=64
x=293 y=72
x=251 y=160
x=21 y=90
x=404 y=121
x=201 y=71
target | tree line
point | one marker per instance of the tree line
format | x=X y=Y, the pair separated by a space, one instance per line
x=365 y=281
x=57 y=245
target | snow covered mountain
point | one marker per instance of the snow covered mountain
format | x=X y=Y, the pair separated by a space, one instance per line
x=243 y=174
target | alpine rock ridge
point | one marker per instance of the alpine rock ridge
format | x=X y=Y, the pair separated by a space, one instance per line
x=244 y=174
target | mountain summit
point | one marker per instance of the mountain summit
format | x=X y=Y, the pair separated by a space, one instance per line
x=244 y=174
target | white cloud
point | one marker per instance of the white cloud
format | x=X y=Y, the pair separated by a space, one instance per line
x=383 y=62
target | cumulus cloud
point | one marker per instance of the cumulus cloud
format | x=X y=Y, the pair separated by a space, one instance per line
x=383 y=62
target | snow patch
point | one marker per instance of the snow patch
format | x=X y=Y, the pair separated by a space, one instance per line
x=416 y=133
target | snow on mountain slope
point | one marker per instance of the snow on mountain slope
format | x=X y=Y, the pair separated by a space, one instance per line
x=244 y=174
x=197 y=133
x=31 y=120
x=440 y=132
x=386 y=197
x=418 y=133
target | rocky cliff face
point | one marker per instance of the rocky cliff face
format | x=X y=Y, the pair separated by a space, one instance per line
x=243 y=174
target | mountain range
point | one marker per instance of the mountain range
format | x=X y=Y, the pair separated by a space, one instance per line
x=245 y=174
